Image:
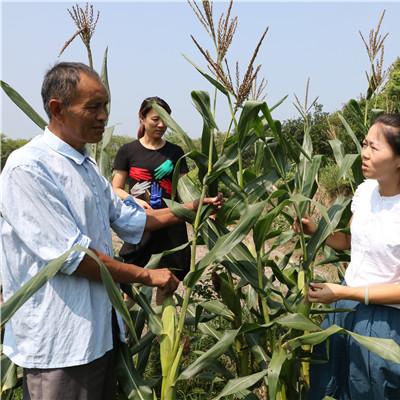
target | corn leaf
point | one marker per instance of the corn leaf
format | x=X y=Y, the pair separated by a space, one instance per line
x=210 y=355
x=23 y=105
x=213 y=81
x=188 y=144
x=385 y=348
x=297 y=321
x=350 y=132
x=104 y=78
x=129 y=380
x=12 y=304
x=8 y=374
x=237 y=385
x=279 y=356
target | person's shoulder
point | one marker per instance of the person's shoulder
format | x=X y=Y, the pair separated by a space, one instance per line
x=173 y=147
x=30 y=153
x=129 y=145
x=364 y=194
x=368 y=186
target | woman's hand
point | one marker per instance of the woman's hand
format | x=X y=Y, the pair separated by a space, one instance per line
x=309 y=226
x=325 y=292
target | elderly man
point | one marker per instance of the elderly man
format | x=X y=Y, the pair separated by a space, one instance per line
x=53 y=198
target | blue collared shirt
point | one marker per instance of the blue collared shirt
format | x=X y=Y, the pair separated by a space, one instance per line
x=52 y=198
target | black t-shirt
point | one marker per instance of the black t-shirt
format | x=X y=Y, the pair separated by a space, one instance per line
x=155 y=166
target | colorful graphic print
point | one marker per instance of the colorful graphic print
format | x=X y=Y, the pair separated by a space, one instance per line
x=159 y=182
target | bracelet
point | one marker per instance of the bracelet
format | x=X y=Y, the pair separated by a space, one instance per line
x=366 y=297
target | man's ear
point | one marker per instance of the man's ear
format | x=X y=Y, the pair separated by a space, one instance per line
x=56 y=109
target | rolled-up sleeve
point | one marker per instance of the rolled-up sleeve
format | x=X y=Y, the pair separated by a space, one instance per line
x=127 y=219
x=36 y=209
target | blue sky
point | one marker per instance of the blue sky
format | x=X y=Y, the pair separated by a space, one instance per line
x=146 y=41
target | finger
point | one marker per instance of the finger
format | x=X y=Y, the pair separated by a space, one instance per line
x=316 y=285
x=312 y=299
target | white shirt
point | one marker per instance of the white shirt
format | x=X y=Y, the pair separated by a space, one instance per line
x=53 y=198
x=375 y=238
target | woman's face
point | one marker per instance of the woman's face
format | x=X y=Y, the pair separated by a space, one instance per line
x=378 y=159
x=154 y=127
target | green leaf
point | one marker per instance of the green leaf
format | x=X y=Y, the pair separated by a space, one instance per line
x=104 y=79
x=210 y=355
x=170 y=122
x=338 y=150
x=385 y=348
x=114 y=293
x=350 y=132
x=8 y=373
x=214 y=82
x=104 y=161
x=236 y=385
x=129 y=380
x=279 y=356
x=201 y=101
x=169 y=322
x=297 y=321
x=8 y=308
x=264 y=224
x=23 y=105
x=218 y=308
x=155 y=259
x=229 y=295
x=155 y=324
x=227 y=242
x=324 y=229
x=239 y=260
x=346 y=165
x=247 y=119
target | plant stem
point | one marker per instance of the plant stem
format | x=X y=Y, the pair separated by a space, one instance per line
x=262 y=299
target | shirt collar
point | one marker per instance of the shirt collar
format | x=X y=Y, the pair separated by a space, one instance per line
x=63 y=148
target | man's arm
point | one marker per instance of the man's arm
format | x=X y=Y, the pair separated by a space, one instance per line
x=127 y=273
x=159 y=218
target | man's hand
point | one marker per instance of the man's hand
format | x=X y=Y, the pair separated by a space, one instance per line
x=217 y=202
x=162 y=278
x=325 y=292
x=309 y=226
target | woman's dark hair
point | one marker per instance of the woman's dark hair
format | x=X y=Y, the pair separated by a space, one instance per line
x=391 y=129
x=146 y=106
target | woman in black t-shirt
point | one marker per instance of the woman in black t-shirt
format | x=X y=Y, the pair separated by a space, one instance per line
x=152 y=159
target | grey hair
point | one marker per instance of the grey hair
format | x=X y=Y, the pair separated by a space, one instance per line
x=61 y=80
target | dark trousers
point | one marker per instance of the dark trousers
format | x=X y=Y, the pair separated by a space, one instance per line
x=93 y=381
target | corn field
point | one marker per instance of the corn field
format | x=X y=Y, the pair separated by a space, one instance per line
x=253 y=338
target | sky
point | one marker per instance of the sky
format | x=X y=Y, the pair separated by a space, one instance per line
x=147 y=40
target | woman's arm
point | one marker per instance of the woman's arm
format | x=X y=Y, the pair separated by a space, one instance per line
x=338 y=240
x=118 y=183
x=388 y=293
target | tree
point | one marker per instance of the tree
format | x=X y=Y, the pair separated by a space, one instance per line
x=8 y=146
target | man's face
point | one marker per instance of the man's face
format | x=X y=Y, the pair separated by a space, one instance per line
x=84 y=119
